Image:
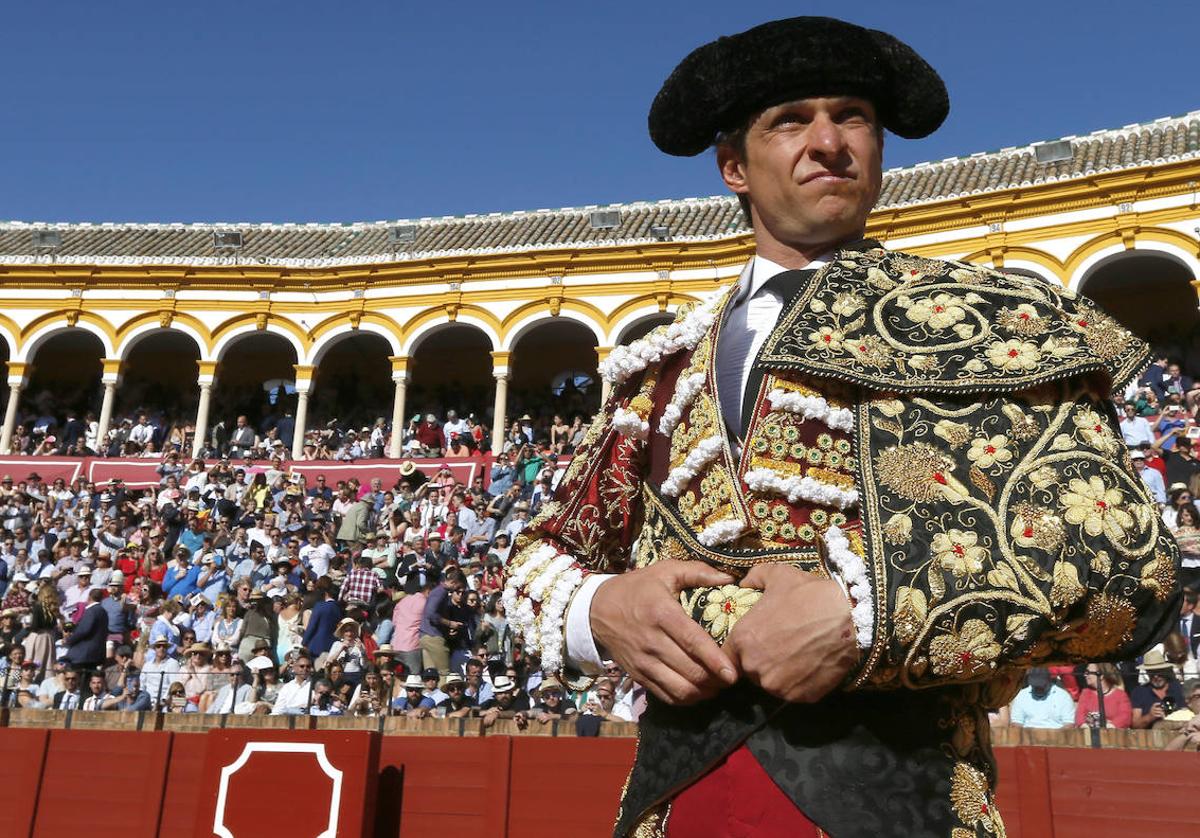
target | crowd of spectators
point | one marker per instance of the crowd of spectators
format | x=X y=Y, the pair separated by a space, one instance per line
x=149 y=433
x=214 y=592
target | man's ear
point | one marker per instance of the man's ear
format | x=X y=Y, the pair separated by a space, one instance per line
x=732 y=168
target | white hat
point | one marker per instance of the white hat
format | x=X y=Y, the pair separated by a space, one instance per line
x=502 y=684
x=414 y=682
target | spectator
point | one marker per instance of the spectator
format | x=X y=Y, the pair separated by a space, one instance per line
x=1042 y=703
x=414 y=702
x=457 y=703
x=295 y=696
x=348 y=651
x=1118 y=712
x=86 y=644
x=436 y=623
x=1152 y=479
x=160 y=672
x=1154 y=701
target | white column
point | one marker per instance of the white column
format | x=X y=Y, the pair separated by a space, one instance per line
x=301 y=421
x=400 y=380
x=500 y=371
x=111 y=379
x=305 y=375
x=206 y=380
x=18 y=373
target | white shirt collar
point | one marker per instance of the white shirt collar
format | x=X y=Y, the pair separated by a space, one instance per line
x=763 y=269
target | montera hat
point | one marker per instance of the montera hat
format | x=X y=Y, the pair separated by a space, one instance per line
x=720 y=85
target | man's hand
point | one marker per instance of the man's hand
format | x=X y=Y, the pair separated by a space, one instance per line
x=636 y=617
x=797 y=642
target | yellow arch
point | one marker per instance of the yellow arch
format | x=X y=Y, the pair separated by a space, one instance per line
x=61 y=315
x=343 y=319
x=194 y=323
x=673 y=299
x=588 y=310
x=439 y=313
x=235 y=323
x=1105 y=240
x=1029 y=254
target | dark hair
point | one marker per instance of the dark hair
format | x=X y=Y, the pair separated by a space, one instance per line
x=1192 y=513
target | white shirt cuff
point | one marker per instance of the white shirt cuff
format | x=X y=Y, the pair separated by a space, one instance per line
x=582 y=653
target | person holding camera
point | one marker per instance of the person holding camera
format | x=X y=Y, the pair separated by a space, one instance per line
x=1160 y=697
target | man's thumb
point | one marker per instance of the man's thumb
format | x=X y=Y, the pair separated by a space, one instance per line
x=694 y=574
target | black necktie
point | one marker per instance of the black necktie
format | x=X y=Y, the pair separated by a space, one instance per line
x=787 y=285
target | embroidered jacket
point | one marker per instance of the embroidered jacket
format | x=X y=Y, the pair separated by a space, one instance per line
x=938 y=435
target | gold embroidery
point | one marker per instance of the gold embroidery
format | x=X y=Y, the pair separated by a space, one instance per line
x=717 y=610
x=969 y=795
x=964 y=654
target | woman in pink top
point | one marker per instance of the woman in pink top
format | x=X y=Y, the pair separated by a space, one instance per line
x=1118 y=712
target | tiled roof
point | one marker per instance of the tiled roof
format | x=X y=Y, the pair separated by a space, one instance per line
x=693 y=219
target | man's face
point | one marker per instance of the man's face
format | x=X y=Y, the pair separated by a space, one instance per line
x=812 y=169
x=1186 y=608
x=302 y=668
x=96 y=684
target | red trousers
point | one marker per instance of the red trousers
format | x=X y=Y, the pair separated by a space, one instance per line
x=737 y=799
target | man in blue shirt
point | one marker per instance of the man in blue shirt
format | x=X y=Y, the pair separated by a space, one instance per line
x=1043 y=704
x=414 y=702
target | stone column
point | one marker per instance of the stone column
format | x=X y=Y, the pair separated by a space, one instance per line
x=111 y=379
x=500 y=371
x=18 y=377
x=206 y=380
x=400 y=380
x=305 y=374
x=605 y=386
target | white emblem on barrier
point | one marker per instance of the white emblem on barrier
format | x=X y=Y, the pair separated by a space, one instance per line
x=315 y=748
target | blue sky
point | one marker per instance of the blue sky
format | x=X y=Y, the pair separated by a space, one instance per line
x=349 y=111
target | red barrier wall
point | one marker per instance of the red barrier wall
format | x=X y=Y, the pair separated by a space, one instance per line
x=181 y=802
x=22 y=755
x=431 y=784
x=101 y=783
x=555 y=791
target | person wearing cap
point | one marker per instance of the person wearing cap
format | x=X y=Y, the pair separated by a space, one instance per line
x=1151 y=477
x=160 y=671
x=457 y=703
x=1042 y=703
x=414 y=702
x=874 y=419
x=1160 y=696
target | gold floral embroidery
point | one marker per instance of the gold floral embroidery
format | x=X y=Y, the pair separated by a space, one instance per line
x=1014 y=355
x=969 y=795
x=1033 y=526
x=955 y=433
x=959 y=552
x=1066 y=589
x=940 y=312
x=966 y=653
x=724 y=606
x=919 y=472
x=1097 y=508
x=1108 y=628
x=1158 y=576
x=986 y=451
x=1023 y=320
